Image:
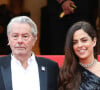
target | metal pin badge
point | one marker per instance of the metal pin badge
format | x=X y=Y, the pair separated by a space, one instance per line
x=43 y=68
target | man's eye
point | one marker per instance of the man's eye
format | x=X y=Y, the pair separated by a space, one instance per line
x=25 y=36
x=15 y=35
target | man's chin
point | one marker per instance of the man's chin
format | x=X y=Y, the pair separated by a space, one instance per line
x=20 y=53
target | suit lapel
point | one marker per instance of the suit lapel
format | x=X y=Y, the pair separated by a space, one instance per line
x=6 y=72
x=42 y=74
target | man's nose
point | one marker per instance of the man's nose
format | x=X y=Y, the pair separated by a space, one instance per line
x=20 y=39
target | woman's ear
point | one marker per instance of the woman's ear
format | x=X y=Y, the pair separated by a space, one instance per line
x=94 y=41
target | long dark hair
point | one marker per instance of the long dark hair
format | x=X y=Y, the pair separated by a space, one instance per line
x=70 y=73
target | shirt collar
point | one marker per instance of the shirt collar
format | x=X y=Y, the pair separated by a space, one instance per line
x=30 y=60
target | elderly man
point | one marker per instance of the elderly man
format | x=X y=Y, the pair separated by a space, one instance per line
x=22 y=70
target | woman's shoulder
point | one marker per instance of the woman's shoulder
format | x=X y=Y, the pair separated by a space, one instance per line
x=89 y=81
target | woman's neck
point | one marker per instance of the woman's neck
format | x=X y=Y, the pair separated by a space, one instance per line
x=87 y=60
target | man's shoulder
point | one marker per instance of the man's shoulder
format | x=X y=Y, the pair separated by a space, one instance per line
x=4 y=59
x=46 y=60
x=50 y=64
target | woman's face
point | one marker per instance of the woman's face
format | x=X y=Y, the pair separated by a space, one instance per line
x=83 y=44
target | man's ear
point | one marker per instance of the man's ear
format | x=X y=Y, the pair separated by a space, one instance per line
x=8 y=44
x=8 y=41
x=35 y=39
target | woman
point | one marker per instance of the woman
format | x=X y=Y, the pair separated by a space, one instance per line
x=80 y=70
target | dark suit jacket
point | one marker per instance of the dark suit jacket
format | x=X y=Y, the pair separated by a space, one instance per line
x=48 y=76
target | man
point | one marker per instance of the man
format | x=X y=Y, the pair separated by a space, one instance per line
x=22 y=70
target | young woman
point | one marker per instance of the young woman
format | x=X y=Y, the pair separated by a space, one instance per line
x=80 y=70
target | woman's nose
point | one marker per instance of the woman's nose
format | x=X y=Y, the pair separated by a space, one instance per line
x=80 y=44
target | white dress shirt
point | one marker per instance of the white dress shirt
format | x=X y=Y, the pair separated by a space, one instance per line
x=25 y=79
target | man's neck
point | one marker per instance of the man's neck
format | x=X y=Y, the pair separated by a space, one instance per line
x=23 y=60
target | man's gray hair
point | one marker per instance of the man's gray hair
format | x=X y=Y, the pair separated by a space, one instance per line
x=23 y=19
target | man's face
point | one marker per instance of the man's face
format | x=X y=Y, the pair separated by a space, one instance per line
x=21 y=39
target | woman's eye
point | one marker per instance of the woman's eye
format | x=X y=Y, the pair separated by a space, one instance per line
x=74 y=42
x=84 y=40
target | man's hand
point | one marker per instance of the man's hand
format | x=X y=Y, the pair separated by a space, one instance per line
x=68 y=7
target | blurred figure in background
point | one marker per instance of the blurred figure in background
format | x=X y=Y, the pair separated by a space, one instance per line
x=5 y=16
x=54 y=28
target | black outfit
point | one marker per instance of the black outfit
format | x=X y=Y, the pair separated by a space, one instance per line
x=53 y=28
x=5 y=16
x=89 y=80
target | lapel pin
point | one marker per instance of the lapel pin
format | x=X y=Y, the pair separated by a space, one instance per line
x=42 y=68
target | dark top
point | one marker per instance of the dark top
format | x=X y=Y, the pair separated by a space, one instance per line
x=89 y=80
